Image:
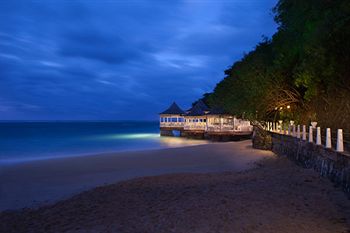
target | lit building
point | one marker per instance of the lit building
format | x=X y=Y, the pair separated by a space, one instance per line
x=196 y=117
x=202 y=122
x=171 y=119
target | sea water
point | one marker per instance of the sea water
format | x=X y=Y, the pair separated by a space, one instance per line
x=22 y=141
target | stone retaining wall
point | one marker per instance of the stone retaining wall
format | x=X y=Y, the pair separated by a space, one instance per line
x=328 y=162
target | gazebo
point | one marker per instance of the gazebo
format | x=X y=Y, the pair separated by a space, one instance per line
x=195 y=118
x=172 y=117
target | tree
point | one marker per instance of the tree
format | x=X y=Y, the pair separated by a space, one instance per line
x=305 y=66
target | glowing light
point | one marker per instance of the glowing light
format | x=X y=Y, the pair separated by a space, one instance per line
x=288 y=106
x=281 y=108
x=135 y=136
x=129 y=136
x=180 y=142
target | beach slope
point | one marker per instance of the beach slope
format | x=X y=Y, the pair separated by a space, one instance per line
x=278 y=196
x=35 y=183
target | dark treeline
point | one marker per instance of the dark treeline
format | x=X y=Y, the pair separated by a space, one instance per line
x=305 y=65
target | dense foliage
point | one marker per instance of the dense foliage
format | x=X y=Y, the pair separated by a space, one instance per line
x=305 y=65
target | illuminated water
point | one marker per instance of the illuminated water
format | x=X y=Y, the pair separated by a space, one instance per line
x=36 y=140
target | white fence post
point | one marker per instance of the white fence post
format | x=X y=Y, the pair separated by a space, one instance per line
x=318 y=136
x=328 y=138
x=294 y=131
x=310 y=134
x=298 y=131
x=281 y=128
x=340 y=143
x=304 y=132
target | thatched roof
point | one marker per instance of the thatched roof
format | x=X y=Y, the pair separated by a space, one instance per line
x=217 y=111
x=199 y=109
x=196 y=110
x=173 y=109
x=201 y=105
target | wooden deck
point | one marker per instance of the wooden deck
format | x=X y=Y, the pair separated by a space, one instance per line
x=179 y=128
x=229 y=132
x=225 y=135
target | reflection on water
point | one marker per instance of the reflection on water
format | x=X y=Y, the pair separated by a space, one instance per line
x=179 y=142
x=34 y=140
x=161 y=141
x=127 y=136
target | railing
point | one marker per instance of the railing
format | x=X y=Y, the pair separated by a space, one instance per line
x=203 y=126
x=222 y=128
x=238 y=128
x=172 y=124
x=195 y=127
x=334 y=139
x=245 y=128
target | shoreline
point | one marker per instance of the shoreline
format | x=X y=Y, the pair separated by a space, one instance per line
x=13 y=162
x=40 y=182
x=275 y=196
x=10 y=162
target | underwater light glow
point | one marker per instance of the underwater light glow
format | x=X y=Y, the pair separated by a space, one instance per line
x=130 y=136
x=136 y=136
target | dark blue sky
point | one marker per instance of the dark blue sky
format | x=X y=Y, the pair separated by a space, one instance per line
x=113 y=60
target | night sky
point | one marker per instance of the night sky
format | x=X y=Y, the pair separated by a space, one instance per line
x=117 y=60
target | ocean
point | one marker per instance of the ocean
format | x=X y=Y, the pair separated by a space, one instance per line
x=22 y=141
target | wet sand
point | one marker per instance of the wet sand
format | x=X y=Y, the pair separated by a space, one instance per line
x=36 y=183
x=277 y=196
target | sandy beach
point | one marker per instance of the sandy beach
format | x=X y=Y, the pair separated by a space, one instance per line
x=277 y=196
x=36 y=183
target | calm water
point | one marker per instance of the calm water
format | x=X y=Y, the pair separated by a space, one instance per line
x=37 y=140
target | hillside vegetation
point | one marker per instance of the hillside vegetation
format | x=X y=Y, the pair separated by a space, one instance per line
x=301 y=73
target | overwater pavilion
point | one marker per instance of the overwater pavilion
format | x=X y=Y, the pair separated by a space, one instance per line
x=220 y=121
x=202 y=122
x=171 y=119
x=195 y=118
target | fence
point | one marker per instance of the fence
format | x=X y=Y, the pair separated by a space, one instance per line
x=172 y=124
x=338 y=140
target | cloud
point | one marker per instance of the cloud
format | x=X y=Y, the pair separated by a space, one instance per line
x=7 y=106
x=179 y=61
x=10 y=56
x=98 y=46
x=50 y=64
x=118 y=60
